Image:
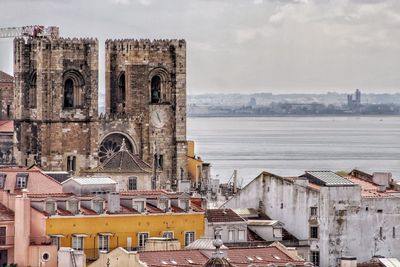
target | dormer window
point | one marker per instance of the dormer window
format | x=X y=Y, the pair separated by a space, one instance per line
x=50 y=207
x=184 y=204
x=164 y=204
x=98 y=206
x=73 y=206
x=22 y=180
x=139 y=205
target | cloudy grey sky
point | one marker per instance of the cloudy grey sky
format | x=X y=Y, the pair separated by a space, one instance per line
x=242 y=45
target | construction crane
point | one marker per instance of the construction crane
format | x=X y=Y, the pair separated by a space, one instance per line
x=35 y=31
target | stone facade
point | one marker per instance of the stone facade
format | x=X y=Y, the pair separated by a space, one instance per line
x=56 y=104
x=6 y=96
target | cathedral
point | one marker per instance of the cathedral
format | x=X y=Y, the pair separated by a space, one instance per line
x=57 y=123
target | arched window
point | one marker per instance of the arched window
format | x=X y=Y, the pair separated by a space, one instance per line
x=32 y=91
x=121 y=89
x=156 y=89
x=118 y=95
x=69 y=94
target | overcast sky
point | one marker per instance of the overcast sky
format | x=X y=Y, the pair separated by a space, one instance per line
x=241 y=45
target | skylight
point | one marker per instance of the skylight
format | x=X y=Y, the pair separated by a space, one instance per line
x=164 y=262
x=173 y=262
x=190 y=261
x=276 y=257
x=259 y=258
x=249 y=258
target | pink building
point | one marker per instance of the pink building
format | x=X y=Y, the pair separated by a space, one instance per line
x=22 y=229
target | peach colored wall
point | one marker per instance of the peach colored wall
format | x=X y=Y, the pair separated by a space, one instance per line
x=35 y=256
x=22 y=230
x=38 y=225
x=9 y=238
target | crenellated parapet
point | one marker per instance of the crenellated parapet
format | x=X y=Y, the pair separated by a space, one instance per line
x=144 y=44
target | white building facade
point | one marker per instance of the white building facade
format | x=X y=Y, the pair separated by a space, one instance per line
x=357 y=215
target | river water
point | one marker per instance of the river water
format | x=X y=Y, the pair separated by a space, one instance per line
x=291 y=145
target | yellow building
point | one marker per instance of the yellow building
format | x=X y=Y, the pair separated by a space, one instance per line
x=91 y=226
x=194 y=165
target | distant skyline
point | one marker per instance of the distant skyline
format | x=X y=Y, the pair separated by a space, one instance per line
x=241 y=46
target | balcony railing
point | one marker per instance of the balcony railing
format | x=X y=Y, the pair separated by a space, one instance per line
x=6 y=240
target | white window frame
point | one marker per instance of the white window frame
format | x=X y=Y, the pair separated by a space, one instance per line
x=244 y=235
x=21 y=182
x=104 y=243
x=191 y=239
x=231 y=235
x=140 y=234
x=69 y=202
x=78 y=242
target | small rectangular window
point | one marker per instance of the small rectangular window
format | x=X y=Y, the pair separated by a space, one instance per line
x=22 y=180
x=315 y=258
x=132 y=183
x=313 y=211
x=77 y=242
x=242 y=234
x=313 y=231
x=104 y=242
x=169 y=235
x=231 y=235
x=189 y=238
x=142 y=238
x=3 y=236
x=381 y=233
x=394 y=232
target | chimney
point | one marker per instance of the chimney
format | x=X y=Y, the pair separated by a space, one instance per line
x=348 y=261
x=113 y=202
x=382 y=178
x=22 y=228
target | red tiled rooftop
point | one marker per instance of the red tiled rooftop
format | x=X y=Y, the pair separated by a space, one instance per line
x=246 y=256
x=222 y=215
x=370 y=190
x=181 y=257
x=7 y=126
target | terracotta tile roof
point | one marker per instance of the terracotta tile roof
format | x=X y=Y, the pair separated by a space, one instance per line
x=7 y=126
x=235 y=256
x=181 y=258
x=6 y=78
x=152 y=209
x=370 y=190
x=6 y=214
x=222 y=215
x=260 y=256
